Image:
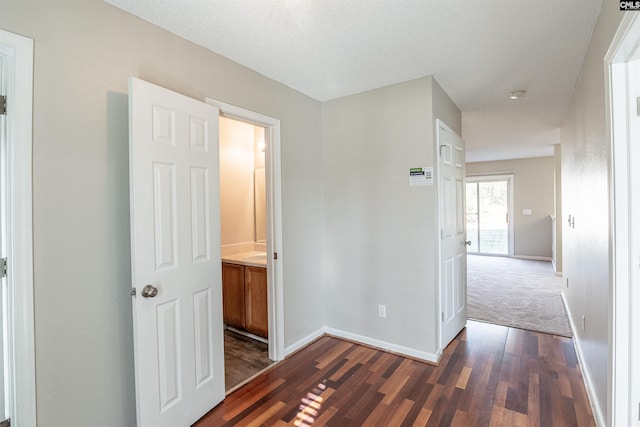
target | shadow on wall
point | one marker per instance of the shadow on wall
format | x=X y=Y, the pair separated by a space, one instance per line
x=117 y=161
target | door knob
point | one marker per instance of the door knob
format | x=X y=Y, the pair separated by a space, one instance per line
x=149 y=291
x=467 y=242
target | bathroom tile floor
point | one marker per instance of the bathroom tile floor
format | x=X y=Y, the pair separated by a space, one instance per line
x=243 y=358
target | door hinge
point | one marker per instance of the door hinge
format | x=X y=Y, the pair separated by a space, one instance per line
x=442 y=316
x=275 y=255
x=3 y=111
x=638 y=106
x=6 y=423
x=133 y=292
x=3 y=274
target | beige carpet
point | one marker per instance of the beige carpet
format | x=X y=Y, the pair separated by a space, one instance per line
x=514 y=292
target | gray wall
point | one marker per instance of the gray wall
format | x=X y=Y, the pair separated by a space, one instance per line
x=533 y=188
x=585 y=196
x=84 y=53
x=557 y=261
x=380 y=234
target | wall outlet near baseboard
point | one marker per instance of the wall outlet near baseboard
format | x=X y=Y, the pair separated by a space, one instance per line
x=382 y=310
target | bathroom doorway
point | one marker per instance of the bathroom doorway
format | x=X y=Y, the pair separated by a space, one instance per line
x=244 y=246
x=250 y=214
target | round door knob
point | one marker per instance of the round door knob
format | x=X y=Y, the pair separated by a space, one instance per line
x=467 y=242
x=149 y=291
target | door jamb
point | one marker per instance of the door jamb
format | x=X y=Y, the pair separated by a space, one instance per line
x=18 y=52
x=623 y=393
x=275 y=280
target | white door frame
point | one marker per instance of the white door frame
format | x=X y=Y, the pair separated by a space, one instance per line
x=275 y=292
x=623 y=127
x=17 y=52
x=510 y=208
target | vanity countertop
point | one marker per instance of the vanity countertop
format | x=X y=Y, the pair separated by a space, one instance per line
x=254 y=259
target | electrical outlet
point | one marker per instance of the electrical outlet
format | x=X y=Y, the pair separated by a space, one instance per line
x=382 y=310
x=583 y=323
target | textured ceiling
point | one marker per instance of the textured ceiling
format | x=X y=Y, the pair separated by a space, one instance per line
x=478 y=50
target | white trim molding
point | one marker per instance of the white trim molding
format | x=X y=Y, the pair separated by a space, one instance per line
x=586 y=374
x=18 y=53
x=622 y=87
x=384 y=345
x=275 y=268
x=534 y=258
x=303 y=342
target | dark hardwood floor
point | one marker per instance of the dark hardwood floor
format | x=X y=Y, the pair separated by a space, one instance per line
x=488 y=376
x=243 y=358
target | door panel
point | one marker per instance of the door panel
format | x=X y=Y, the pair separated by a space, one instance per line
x=204 y=344
x=200 y=216
x=175 y=242
x=453 y=278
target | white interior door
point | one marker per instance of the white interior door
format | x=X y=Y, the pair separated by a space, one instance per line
x=175 y=244
x=453 y=254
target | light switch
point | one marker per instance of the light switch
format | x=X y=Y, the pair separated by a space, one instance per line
x=526 y=211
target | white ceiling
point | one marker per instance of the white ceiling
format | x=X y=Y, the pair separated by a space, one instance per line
x=478 y=50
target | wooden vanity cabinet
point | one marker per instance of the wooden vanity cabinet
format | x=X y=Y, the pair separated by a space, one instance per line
x=244 y=298
x=233 y=295
x=255 y=293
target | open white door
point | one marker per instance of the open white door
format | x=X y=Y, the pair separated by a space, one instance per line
x=453 y=253
x=175 y=251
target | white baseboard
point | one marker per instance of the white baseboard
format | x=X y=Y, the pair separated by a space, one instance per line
x=534 y=258
x=303 y=342
x=383 y=345
x=246 y=334
x=597 y=411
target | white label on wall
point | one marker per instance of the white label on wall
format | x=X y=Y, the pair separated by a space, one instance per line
x=420 y=176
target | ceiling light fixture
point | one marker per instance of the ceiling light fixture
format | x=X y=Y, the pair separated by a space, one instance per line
x=517 y=94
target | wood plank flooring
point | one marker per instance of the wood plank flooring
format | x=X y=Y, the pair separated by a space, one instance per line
x=243 y=358
x=488 y=376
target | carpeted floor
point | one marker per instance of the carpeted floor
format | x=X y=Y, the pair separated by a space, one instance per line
x=514 y=292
